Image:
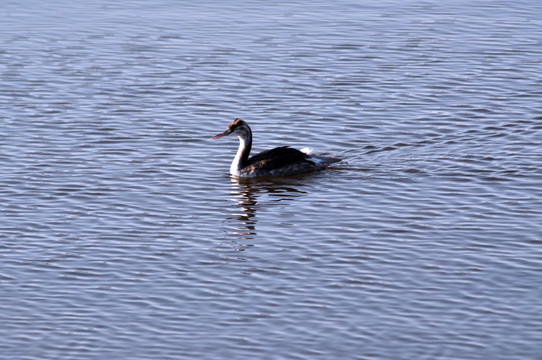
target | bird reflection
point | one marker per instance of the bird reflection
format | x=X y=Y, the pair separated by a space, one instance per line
x=245 y=197
x=249 y=195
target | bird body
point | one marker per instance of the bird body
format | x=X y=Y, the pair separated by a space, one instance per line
x=279 y=161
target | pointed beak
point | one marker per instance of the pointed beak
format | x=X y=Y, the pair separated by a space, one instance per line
x=225 y=133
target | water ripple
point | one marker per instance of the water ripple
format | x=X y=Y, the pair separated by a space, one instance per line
x=122 y=235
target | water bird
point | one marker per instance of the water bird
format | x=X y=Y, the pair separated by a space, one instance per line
x=280 y=161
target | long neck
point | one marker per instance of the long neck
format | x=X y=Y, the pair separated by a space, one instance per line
x=241 y=158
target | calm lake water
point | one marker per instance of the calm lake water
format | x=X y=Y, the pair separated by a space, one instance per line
x=123 y=237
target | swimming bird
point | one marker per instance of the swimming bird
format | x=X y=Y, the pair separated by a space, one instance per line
x=280 y=161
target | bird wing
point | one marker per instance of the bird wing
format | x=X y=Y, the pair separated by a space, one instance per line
x=277 y=157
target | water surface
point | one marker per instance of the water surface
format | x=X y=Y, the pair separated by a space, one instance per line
x=122 y=235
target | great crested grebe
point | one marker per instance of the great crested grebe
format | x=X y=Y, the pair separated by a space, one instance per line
x=279 y=161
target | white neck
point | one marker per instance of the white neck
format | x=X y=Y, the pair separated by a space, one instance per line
x=235 y=166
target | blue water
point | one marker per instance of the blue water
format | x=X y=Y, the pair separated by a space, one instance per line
x=123 y=237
